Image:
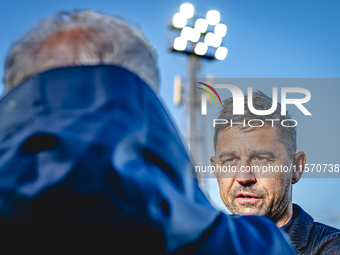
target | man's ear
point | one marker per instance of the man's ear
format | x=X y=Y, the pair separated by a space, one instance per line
x=212 y=163
x=299 y=163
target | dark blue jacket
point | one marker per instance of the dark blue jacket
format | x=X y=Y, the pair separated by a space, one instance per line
x=311 y=237
x=89 y=159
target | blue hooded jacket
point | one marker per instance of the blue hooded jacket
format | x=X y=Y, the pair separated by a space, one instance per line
x=89 y=159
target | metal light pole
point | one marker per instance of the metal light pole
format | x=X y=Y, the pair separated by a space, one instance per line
x=193 y=106
x=195 y=41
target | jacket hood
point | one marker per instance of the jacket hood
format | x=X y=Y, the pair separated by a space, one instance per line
x=73 y=131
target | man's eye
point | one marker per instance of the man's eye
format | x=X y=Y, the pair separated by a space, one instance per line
x=230 y=161
x=260 y=159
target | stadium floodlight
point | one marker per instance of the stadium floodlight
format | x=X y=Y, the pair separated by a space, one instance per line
x=212 y=40
x=201 y=48
x=180 y=44
x=190 y=34
x=187 y=10
x=201 y=25
x=221 y=53
x=220 y=30
x=179 y=20
x=186 y=33
x=213 y=17
x=217 y=41
x=195 y=35
x=198 y=37
x=209 y=39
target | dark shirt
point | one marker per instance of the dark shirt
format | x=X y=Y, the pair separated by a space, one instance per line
x=309 y=237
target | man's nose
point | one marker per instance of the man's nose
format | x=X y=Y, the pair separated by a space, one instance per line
x=246 y=176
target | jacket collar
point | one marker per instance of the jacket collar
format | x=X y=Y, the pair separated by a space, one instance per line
x=301 y=228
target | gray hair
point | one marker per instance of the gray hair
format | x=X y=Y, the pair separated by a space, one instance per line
x=104 y=39
x=286 y=135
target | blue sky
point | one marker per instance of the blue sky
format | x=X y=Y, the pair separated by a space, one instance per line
x=266 y=38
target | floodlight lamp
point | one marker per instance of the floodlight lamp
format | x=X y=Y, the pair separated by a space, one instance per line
x=201 y=25
x=217 y=41
x=186 y=33
x=180 y=44
x=179 y=20
x=213 y=17
x=201 y=48
x=220 y=30
x=187 y=10
x=209 y=39
x=195 y=35
x=212 y=40
x=221 y=53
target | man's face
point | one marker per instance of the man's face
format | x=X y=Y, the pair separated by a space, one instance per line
x=250 y=192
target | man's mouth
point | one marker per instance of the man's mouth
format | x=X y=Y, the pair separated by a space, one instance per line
x=247 y=198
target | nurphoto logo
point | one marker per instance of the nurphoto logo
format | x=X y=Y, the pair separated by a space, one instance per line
x=238 y=102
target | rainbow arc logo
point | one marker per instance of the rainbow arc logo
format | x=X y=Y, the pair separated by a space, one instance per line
x=209 y=93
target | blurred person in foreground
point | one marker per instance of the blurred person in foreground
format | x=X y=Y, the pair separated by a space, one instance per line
x=267 y=192
x=89 y=159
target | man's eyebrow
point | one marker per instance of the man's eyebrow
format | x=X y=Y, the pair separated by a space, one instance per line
x=263 y=152
x=227 y=154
